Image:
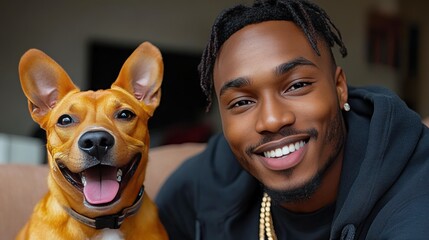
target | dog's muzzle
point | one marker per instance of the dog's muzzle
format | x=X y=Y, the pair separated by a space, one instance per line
x=101 y=183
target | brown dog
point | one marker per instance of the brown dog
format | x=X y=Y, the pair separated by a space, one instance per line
x=97 y=143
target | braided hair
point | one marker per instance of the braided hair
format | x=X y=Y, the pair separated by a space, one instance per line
x=312 y=20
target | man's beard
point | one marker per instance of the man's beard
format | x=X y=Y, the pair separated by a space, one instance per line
x=336 y=137
x=302 y=192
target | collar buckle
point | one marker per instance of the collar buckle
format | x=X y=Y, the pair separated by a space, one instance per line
x=108 y=221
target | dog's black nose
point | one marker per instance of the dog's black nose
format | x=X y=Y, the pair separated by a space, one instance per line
x=96 y=143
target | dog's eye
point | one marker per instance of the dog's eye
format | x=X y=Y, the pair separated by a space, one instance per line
x=125 y=115
x=65 y=120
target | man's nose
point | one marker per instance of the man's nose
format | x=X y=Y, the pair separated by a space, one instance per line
x=274 y=114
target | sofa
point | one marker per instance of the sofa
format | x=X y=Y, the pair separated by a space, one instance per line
x=22 y=186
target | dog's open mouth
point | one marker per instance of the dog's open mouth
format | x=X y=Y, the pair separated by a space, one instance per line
x=102 y=184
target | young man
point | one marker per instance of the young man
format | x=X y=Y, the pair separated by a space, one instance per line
x=302 y=155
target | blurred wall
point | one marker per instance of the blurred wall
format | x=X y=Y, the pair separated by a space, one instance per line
x=414 y=13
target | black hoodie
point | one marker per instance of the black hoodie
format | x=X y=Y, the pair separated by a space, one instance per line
x=384 y=188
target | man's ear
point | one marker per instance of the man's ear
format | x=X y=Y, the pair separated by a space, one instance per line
x=341 y=86
x=141 y=75
x=44 y=83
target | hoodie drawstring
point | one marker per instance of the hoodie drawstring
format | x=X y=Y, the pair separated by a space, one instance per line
x=348 y=232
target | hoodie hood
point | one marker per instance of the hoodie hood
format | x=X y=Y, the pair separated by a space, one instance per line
x=382 y=135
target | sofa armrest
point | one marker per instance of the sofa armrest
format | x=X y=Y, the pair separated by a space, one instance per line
x=21 y=187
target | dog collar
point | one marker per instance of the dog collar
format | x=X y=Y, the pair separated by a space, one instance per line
x=113 y=221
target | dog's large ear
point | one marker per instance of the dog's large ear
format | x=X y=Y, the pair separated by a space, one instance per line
x=141 y=75
x=44 y=83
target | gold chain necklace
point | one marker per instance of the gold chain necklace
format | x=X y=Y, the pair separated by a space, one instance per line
x=266 y=226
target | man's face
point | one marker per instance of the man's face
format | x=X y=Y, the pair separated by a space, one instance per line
x=280 y=104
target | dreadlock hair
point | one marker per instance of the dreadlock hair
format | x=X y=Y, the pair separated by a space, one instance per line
x=312 y=20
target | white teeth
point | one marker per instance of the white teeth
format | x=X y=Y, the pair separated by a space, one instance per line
x=119 y=175
x=285 y=150
x=292 y=148
x=83 y=179
x=279 y=152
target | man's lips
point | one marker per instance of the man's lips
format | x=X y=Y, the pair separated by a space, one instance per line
x=283 y=154
x=285 y=150
x=285 y=161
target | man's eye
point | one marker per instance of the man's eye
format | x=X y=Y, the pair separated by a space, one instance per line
x=298 y=85
x=125 y=115
x=65 y=120
x=240 y=103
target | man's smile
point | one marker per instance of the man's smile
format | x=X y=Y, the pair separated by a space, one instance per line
x=285 y=150
x=284 y=153
x=285 y=161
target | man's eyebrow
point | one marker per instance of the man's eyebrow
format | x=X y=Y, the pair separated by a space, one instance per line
x=235 y=83
x=287 y=66
x=279 y=70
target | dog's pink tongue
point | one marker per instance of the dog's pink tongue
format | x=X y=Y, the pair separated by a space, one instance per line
x=101 y=185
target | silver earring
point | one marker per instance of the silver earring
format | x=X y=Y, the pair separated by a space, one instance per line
x=346 y=107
